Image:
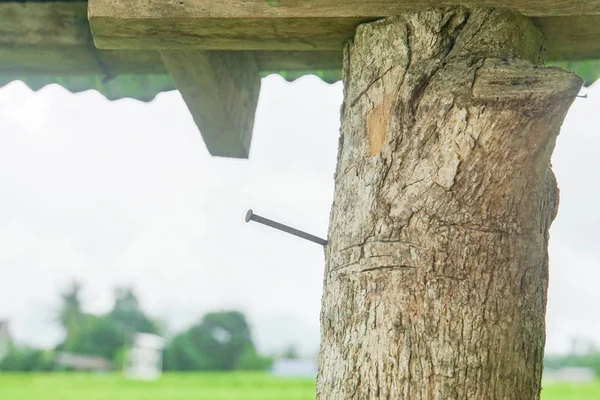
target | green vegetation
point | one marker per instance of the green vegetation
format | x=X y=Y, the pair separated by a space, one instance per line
x=220 y=341
x=181 y=386
x=564 y=391
x=103 y=335
x=203 y=386
x=590 y=360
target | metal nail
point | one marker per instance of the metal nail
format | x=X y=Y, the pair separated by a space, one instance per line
x=250 y=216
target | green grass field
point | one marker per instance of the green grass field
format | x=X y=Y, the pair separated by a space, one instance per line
x=235 y=386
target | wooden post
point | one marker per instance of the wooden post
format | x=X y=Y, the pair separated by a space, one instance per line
x=437 y=265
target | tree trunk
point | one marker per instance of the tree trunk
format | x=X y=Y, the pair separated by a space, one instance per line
x=437 y=264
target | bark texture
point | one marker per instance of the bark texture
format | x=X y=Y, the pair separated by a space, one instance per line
x=437 y=265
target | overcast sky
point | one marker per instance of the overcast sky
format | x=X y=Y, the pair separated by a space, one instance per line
x=125 y=192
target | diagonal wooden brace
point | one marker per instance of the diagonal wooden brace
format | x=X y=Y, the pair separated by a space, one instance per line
x=221 y=91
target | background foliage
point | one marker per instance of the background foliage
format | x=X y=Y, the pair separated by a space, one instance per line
x=220 y=341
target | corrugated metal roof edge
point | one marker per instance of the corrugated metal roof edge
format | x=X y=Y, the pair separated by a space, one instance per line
x=144 y=88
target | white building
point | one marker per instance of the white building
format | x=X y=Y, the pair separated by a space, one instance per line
x=144 y=359
x=295 y=368
x=4 y=338
x=83 y=362
x=569 y=374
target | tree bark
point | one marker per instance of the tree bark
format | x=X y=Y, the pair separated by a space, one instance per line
x=437 y=264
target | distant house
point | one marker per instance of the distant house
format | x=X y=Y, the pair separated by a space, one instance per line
x=4 y=339
x=295 y=368
x=144 y=359
x=569 y=374
x=80 y=362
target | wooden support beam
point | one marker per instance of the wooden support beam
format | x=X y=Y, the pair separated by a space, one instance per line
x=260 y=9
x=221 y=91
x=324 y=25
x=128 y=32
x=54 y=38
x=571 y=38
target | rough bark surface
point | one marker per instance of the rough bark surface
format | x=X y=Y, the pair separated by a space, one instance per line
x=437 y=265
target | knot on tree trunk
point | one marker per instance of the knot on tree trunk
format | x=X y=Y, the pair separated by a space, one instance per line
x=435 y=286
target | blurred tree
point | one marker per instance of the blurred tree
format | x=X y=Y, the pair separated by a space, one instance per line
x=181 y=355
x=71 y=315
x=589 y=360
x=252 y=361
x=102 y=335
x=222 y=337
x=26 y=359
x=220 y=342
x=127 y=316
x=290 y=353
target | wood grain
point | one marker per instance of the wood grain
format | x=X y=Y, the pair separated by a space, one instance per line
x=436 y=264
x=571 y=28
x=252 y=9
x=194 y=32
x=221 y=91
x=571 y=38
x=55 y=39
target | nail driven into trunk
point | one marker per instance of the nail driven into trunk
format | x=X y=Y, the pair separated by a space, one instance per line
x=250 y=216
x=437 y=265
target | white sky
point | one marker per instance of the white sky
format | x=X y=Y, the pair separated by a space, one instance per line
x=125 y=193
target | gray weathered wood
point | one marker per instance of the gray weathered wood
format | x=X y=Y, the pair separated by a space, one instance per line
x=304 y=25
x=54 y=38
x=221 y=91
x=571 y=38
x=258 y=9
x=194 y=32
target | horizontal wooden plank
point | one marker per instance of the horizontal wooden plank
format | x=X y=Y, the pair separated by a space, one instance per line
x=571 y=38
x=223 y=33
x=50 y=24
x=54 y=38
x=236 y=25
x=253 y=9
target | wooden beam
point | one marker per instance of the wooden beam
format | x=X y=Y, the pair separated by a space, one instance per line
x=128 y=32
x=307 y=25
x=571 y=38
x=260 y=9
x=221 y=91
x=54 y=38
x=48 y=24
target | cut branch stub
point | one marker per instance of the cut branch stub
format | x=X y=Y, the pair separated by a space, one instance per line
x=436 y=276
x=221 y=91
